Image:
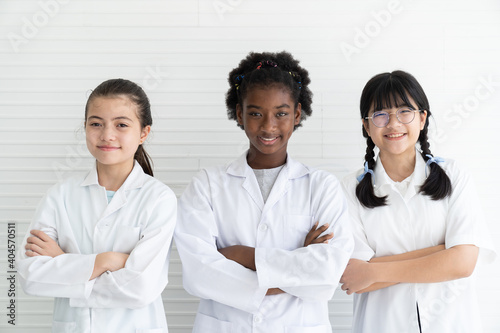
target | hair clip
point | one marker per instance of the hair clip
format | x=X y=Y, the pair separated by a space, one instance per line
x=367 y=170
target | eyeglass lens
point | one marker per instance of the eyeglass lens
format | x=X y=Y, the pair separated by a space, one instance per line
x=381 y=118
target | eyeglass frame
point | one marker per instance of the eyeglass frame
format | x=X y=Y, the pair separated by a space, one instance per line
x=396 y=113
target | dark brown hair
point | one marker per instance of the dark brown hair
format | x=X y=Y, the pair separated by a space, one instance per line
x=116 y=87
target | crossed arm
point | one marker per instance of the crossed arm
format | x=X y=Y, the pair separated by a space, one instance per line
x=428 y=265
x=245 y=255
x=40 y=244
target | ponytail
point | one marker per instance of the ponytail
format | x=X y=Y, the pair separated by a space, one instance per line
x=144 y=160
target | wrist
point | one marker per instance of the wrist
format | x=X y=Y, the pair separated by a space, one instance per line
x=102 y=261
x=377 y=272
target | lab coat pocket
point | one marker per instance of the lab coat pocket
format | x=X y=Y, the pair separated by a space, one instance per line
x=207 y=324
x=63 y=327
x=295 y=231
x=126 y=239
x=314 y=329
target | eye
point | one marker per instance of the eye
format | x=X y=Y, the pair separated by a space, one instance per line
x=122 y=125
x=254 y=114
x=405 y=111
x=94 y=124
x=380 y=114
x=282 y=114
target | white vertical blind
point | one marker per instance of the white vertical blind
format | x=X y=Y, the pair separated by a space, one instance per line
x=52 y=52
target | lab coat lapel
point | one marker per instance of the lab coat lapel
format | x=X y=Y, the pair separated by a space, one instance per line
x=240 y=168
x=134 y=180
x=291 y=170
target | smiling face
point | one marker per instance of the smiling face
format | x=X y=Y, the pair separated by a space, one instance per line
x=113 y=131
x=396 y=138
x=268 y=116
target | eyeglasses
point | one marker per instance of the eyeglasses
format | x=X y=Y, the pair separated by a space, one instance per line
x=404 y=116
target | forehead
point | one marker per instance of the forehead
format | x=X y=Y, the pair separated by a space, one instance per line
x=274 y=95
x=112 y=107
x=392 y=101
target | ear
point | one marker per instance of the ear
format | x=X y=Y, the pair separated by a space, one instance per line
x=297 y=114
x=366 y=126
x=144 y=134
x=423 y=118
x=239 y=114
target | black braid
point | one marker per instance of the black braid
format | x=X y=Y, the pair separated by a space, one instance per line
x=438 y=184
x=364 y=190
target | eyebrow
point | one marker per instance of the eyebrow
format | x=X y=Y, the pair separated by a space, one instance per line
x=258 y=107
x=116 y=118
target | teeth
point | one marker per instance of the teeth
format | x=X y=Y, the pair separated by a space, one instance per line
x=267 y=139
x=395 y=135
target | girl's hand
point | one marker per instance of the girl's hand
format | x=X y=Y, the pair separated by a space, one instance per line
x=357 y=276
x=40 y=244
x=313 y=236
x=243 y=255
x=108 y=261
x=274 y=291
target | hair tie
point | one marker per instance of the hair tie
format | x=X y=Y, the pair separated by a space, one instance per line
x=268 y=63
x=431 y=160
x=238 y=80
x=296 y=77
x=361 y=176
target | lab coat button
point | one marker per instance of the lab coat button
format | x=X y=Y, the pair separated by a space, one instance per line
x=263 y=227
x=257 y=319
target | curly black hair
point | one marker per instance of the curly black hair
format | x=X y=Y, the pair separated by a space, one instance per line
x=265 y=69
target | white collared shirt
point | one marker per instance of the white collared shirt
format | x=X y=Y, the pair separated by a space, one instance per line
x=223 y=206
x=140 y=221
x=410 y=222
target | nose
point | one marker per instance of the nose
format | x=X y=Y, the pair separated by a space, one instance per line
x=107 y=133
x=393 y=120
x=268 y=123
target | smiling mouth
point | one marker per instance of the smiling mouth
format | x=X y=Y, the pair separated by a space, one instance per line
x=268 y=140
x=398 y=135
x=107 y=148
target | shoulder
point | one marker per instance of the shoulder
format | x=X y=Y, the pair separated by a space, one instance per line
x=69 y=184
x=156 y=188
x=350 y=181
x=322 y=177
x=452 y=167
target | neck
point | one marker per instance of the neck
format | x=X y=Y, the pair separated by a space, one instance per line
x=399 y=167
x=257 y=160
x=113 y=176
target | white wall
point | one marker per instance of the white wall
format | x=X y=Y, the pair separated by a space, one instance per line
x=53 y=51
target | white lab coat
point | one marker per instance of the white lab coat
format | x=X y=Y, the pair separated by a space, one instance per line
x=411 y=222
x=139 y=220
x=223 y=206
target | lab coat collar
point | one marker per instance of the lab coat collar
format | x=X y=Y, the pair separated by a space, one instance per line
x=291 y=170
x=381 y=181
x=240 y=167
x=135 y=179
